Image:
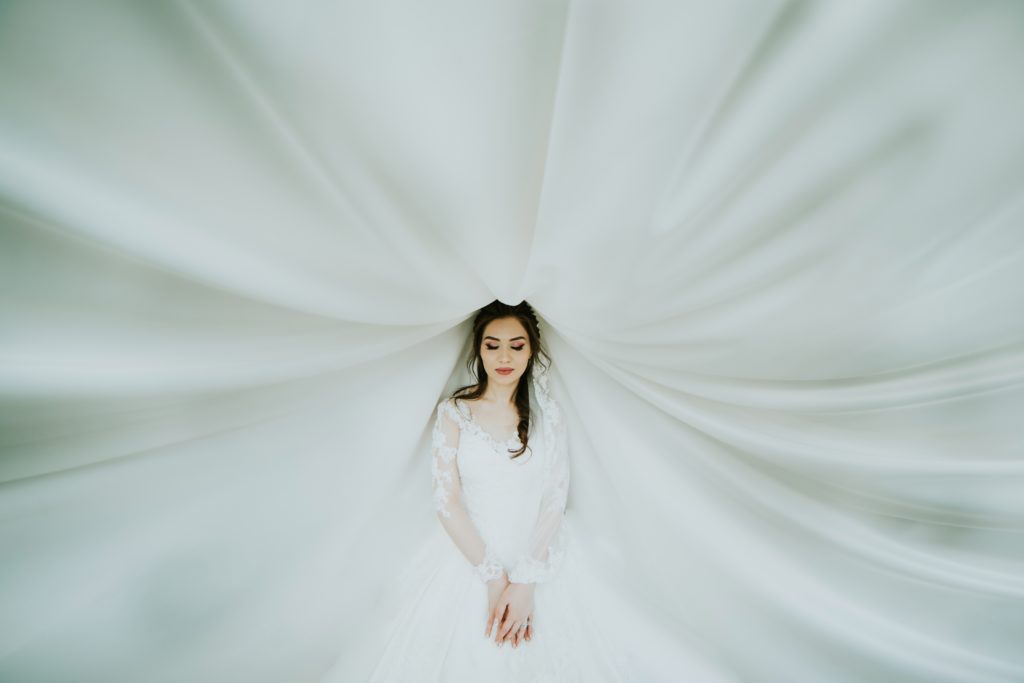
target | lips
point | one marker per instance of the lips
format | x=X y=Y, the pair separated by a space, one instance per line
x=505 y=371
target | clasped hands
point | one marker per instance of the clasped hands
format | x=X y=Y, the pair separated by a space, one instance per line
x=510 y=608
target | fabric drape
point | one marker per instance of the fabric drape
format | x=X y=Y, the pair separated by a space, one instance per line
x=776 y=252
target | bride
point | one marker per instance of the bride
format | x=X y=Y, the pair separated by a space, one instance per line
x=496 y=405
x=497 y=599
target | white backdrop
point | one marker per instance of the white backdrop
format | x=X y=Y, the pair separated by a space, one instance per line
x=777 y=249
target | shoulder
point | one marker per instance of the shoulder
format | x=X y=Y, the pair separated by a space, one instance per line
x=450 y=407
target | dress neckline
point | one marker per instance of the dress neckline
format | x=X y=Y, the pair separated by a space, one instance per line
x=486 y=435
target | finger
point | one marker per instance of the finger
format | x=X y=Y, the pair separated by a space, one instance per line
x=505 y=628
x=529 y=632
x=512 y=627
x=494 y=622
x=499 y=628
x=497 y=614
x=499 y=632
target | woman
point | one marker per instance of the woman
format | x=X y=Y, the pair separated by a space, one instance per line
x=506 y=343
x=500 y=467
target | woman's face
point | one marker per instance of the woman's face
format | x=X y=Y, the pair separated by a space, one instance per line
x=505 y=345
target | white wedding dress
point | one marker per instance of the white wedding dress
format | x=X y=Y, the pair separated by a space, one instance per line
x=511 y=513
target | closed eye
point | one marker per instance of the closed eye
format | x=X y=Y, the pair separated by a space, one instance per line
x=514 y=348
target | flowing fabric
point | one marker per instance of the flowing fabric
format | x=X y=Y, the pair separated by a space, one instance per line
x=777 y=254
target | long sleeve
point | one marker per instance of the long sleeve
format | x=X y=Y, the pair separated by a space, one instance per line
x=547 y=540
x=451 y=510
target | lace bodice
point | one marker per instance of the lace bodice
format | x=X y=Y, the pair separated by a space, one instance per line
x=504 y=514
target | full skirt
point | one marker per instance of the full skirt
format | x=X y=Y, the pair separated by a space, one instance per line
x=438 y=634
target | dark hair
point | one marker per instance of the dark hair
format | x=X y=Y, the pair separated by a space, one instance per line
x=522 y=312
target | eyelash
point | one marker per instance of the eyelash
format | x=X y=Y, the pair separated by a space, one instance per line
x=514 y=348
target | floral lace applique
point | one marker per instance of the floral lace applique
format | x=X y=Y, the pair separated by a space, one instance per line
x=442 y=464
x=531 y=570
x=490 y=567
x=504 y=448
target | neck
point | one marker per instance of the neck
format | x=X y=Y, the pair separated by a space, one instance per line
x=499 y=394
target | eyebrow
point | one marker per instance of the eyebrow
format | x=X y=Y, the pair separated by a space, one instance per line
x=512 y=339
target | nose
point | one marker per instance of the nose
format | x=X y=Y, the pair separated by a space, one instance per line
x=505 y=356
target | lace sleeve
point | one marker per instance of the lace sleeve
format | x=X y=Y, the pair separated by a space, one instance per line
x=448 y=495
x=547 y=540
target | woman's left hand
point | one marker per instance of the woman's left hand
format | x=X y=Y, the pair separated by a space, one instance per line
x=495 y=589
